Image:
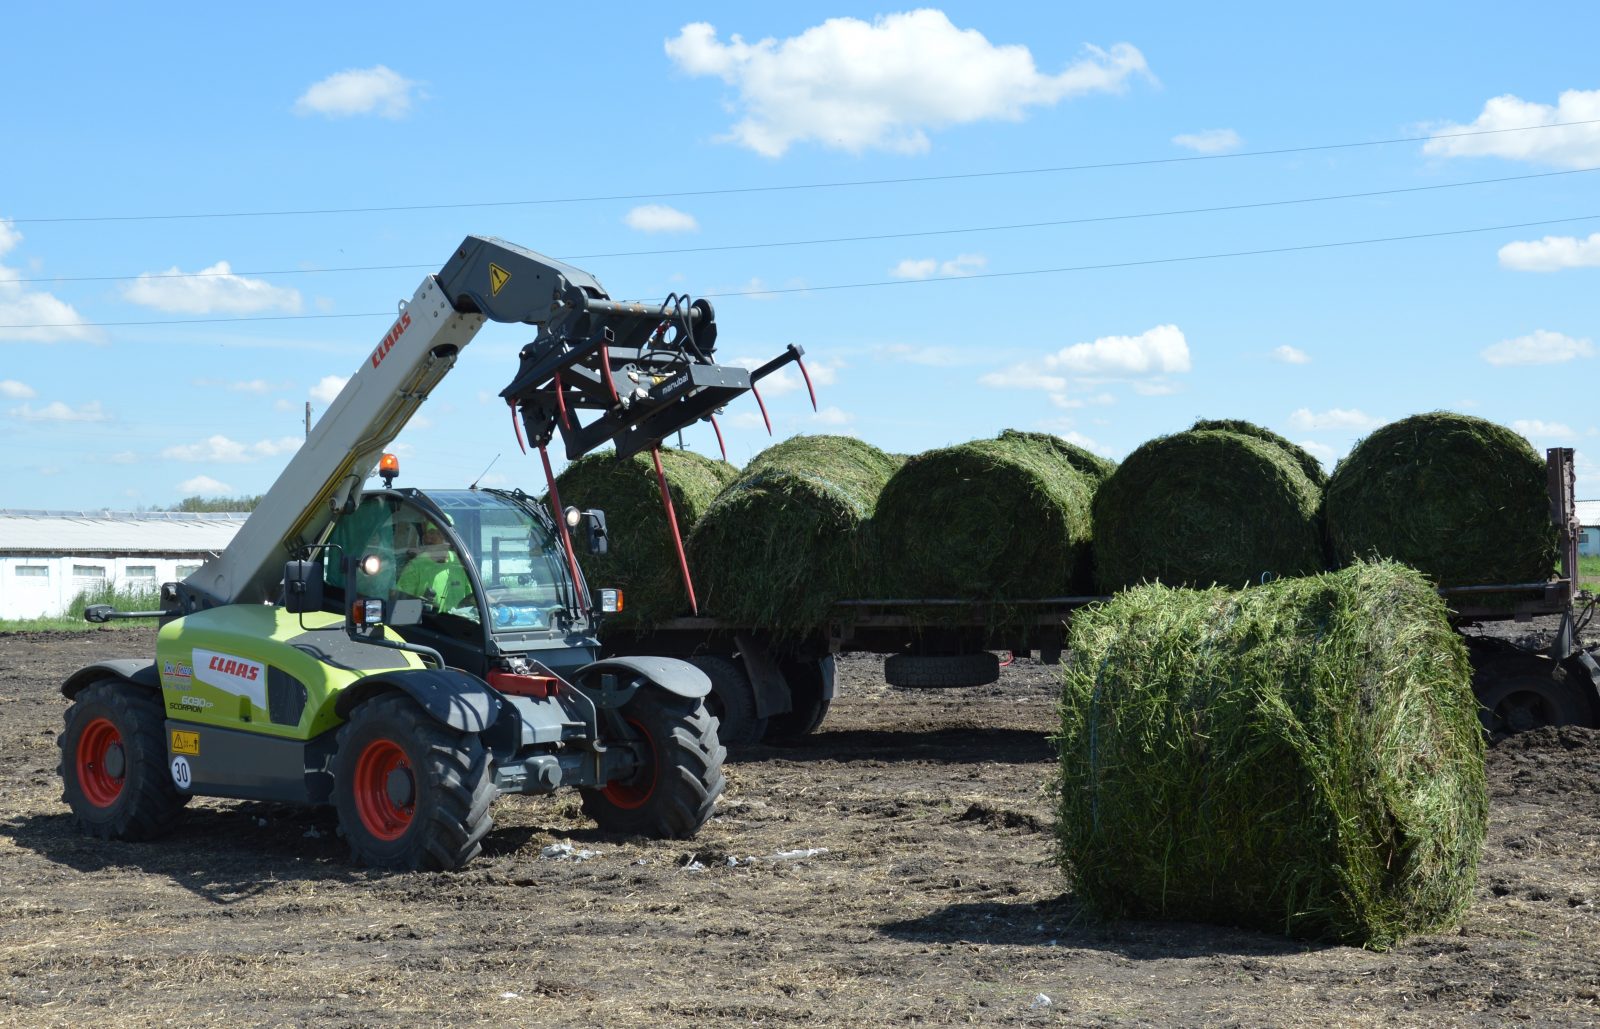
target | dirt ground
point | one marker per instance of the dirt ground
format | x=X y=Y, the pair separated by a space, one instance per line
x=930 y=898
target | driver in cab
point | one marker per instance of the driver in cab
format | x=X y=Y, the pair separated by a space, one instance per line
x=436 y=575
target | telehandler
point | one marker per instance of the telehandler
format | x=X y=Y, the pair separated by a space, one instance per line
x=408 y=656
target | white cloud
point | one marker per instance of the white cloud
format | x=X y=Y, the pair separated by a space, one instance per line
x=1148 y=356
x=927 y=267
x=202 y=485
x=1307 y=420
x=46 y=319
x=1574 y=146
x=832 y=416
x=1211 y=141
x=1534 y=428
x=1290 y=355
x=56 y=411
x=853 y=85
x=328 y=389
x=660 y=218
x=1155 y=388
x=1551 y=254
x=212 y=290
x=220 y=449
x=1321 y=451
x=17 y=390
x=376 y=90
x=1538 y=347
x=1068 y=402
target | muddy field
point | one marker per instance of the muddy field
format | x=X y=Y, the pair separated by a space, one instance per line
x=929 y=899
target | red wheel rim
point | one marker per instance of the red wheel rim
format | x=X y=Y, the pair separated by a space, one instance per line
x=635 y=792
x=380 y=815
x=99 y=786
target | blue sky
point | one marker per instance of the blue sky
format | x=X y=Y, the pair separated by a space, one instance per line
x=116 y=115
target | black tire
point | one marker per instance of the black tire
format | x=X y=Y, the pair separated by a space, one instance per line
x=411 y=793
x=673 y=792
x=114 y=763
x=808 y=693
x=959 y=671
x=732 y=701
x=1515 y=695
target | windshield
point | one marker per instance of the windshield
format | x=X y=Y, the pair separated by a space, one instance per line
x=524 y=578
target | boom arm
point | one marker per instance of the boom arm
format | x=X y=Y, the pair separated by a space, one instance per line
x=591 y=353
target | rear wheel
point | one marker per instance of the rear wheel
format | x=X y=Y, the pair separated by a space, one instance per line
x=732 y=701
x=1519 y=694
x=411 y=793
x=679 y=774
x=808 y=681
x=114 y=763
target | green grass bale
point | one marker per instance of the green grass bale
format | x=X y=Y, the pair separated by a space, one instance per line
x=791 y=535
x=1303 y=757
x=1459 y=498
x=641 y=559
x=990 y=520
x=1308 y=464
x=1207 y=507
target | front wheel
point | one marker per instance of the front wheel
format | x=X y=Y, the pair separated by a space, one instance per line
x=679 y=775
x=411 y=793
x=114 y=763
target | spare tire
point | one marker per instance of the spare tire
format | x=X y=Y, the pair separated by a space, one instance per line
x=958 y=671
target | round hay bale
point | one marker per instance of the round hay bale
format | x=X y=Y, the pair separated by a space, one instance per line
x=790 y=535
x=991 y=520
x=1308 y=464
x=641 y=560
x=1303 y=757
x=1206 y=507
x=1459 y=498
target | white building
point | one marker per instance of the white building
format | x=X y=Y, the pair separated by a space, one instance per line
x=48 y=557
x=1589 y=534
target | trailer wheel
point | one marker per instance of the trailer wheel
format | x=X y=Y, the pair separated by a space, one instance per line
x=114 y=763
x=1519 y=695
x=732 y=700
x=411 y=793
x=958 y=671
x=680 y=770
x=807 y=682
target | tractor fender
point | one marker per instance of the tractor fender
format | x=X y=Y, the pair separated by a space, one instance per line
x=668 y=673
x=134 y=670
x=462 y=701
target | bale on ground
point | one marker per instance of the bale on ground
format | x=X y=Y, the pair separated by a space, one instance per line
x=1206 y=507
x=1459 y=498
x=991 y=520
x=790 y=535
x=641 y=559
x=1303 y=757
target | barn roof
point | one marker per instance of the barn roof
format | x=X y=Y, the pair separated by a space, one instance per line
x=81 y=532
x=1588 y=512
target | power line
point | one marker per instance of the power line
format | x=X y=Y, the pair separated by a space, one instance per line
x=903 y=282
x=1251 y=205
x=789 y=187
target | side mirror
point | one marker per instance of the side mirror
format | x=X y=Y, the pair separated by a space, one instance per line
x=302 y=586
x=595 y=522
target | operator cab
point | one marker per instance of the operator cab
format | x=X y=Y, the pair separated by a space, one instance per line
x=485 y=564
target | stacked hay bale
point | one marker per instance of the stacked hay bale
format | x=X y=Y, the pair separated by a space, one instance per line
x=1209 y=506
x=1459 y=498
x=991 y=520
x=641 y=559
x=1303 y=757
x=790 y=535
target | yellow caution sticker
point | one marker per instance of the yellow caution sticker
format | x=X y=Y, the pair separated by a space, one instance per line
x=498 y=277
x=185 y=742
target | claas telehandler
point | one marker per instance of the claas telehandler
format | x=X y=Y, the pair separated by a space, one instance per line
x=405 y=655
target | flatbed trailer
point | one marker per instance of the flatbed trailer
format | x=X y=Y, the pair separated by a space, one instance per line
x=781 y=688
